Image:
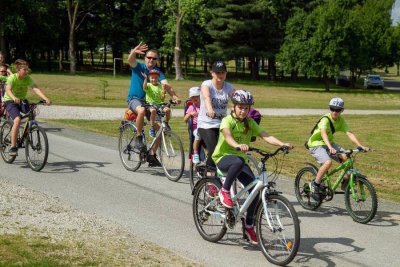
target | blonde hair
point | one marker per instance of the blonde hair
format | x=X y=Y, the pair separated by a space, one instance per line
x=20 y=63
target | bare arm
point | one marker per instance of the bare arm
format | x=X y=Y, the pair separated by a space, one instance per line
x=325 y=137
x=354 y=139
x=139 y=49
x=205 y=92
x=40 y=94
x=273 y=140
x=10 y=94
x=170 y=91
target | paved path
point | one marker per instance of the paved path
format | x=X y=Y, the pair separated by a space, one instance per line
x=68 y=112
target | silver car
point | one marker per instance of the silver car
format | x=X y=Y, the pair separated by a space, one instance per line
x=373 y=81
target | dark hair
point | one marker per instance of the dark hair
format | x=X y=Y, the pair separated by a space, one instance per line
x=152 y=50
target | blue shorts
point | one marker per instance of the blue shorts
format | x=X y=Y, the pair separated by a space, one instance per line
x=13 y=109
x=321 y=153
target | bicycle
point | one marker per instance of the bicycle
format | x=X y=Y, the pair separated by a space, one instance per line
x=276 y=221
x=170 y=151
x=197 y=171
x=32 y=137
x=360 y=196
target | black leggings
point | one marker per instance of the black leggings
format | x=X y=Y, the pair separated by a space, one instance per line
x=210 y=138
x=235 y=167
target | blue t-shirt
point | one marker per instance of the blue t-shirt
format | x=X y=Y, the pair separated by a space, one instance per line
x=137 y=79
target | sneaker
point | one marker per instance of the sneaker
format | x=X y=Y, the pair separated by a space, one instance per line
x=152 y=132
x=13 y=151
x=139 y=143
x=344 y=185
x=153 y=161
x=196 y=159
x=316 y=191
x=251 y=235
x=225 y=198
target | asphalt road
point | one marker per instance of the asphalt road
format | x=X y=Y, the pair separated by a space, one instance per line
x=84 y=171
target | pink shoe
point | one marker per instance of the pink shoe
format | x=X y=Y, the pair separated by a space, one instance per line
x=251 y=235
x=225 y=198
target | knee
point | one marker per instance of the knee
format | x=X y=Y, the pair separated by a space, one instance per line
x=140 y=111
x=327 y=164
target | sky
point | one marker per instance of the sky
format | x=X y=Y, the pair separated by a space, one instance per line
x=396 y=13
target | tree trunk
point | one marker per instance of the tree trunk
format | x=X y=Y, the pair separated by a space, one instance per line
x=60 y=59
x=177 y=50
x=326 y=81
x=71 y=51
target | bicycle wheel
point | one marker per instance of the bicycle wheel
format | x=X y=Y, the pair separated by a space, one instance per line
x=193 y=175
x=172 y=155
x=208 y=213
x=362 y=206
x=129 y=158
x=302 y=188
x=280 y=238
x=36 y=148
x=5 y=141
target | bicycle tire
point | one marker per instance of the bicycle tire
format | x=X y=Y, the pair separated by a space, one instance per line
x=302 y=188
x=5 y=141
x=129 y=158
x=359 y=209
x=172 y=155
x=36 y=148
x=281 y=243
x=206 y=220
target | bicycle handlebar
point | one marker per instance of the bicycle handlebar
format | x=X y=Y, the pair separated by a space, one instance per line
x=351 y=151
x=284 y=149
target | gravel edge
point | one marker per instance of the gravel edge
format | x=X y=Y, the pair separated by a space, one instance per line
x=36 y=215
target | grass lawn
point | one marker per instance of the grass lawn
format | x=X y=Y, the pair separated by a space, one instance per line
x=85 y=90
x=380 y=132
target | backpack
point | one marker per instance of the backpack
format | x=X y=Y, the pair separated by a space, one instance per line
x=315 y=127
x=255 y=115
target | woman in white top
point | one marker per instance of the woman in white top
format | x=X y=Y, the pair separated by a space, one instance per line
x=214 y=98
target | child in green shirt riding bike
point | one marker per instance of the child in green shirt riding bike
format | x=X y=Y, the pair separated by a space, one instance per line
x=16 y=90
x=321 y=144
x=230 y=155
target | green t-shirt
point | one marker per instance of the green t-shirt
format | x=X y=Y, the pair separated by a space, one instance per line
x=237 y=131
x=340 y=125
x=18 y=87
x=153 y=94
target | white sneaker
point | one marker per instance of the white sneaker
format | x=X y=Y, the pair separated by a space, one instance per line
x=196 y=159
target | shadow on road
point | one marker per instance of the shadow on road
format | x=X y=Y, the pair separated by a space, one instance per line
x=316 y=248
x=72 y=166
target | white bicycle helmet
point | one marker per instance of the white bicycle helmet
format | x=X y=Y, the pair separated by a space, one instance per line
x=242 y=97
x=336 y=103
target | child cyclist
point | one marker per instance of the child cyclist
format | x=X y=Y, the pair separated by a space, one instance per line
x=16 y=90
x=192 y=112
x=236 y=131
x=322 y=146
x=155 y=94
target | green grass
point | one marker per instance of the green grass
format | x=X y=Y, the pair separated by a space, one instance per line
x=84 y=90
x=380 y=132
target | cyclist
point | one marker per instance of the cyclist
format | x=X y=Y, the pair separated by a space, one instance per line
x=16 y=90
x=136 y=94
x=322 y=146
x=230 y=152
x=192 y=112
x=155 y=94
x=214 y=98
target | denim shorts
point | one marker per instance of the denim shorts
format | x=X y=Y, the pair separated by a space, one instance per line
x=321 y=153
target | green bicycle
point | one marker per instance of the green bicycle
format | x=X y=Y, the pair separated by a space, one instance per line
x=360 y=196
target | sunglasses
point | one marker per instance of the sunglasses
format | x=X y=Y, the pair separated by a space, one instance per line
x=151 y=58
x=336 y=109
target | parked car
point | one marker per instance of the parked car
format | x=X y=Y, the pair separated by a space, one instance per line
x=108 y=49
x=373 y=81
